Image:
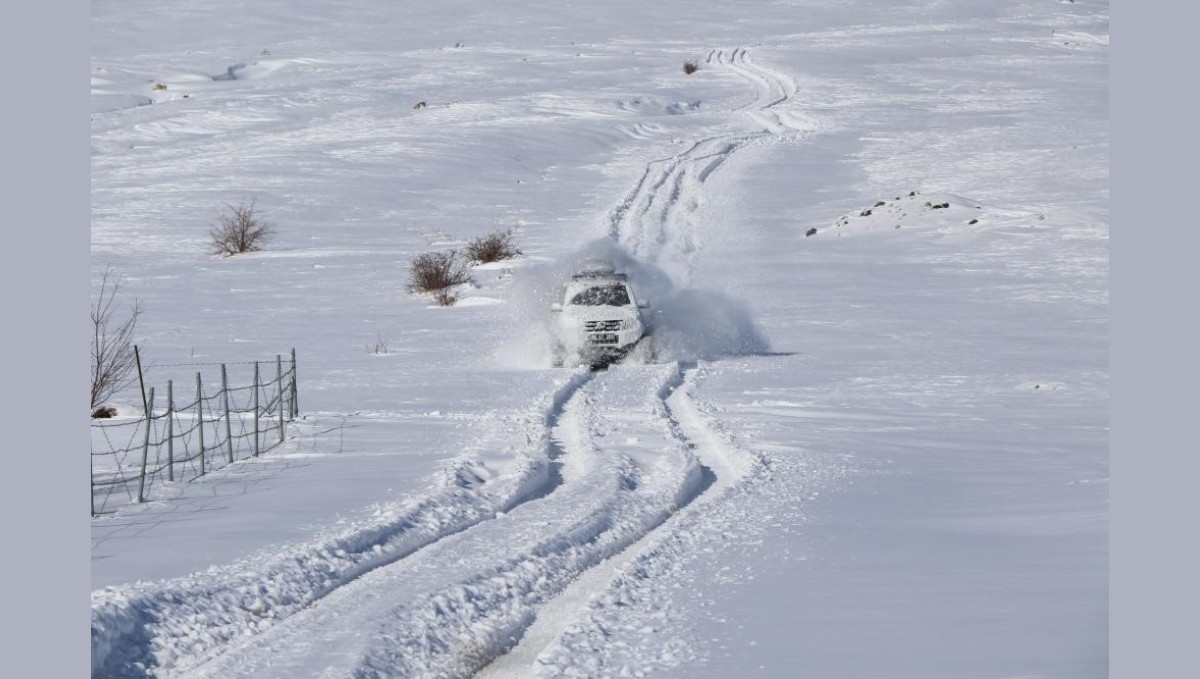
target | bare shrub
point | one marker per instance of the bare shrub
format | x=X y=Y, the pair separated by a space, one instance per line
x=240 y=229
x=690 y=67
x=113 y=358
x=381 y=346
x=438 y=273
x=494 y=247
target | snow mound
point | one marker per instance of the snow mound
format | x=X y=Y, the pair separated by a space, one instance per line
x=937 y=212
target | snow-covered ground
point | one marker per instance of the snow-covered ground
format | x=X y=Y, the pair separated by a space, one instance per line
x=875 y=241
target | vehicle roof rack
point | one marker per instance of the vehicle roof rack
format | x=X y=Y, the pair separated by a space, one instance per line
x=597 y=268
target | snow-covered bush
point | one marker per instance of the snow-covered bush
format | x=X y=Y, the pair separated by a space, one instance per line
x=494 y=247
x=438 y=273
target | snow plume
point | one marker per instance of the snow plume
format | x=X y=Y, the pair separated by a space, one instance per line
x=686 y=324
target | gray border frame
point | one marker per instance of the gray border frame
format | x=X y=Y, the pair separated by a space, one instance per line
x=1153 y=555
x=1153 y=558
x=46 y=181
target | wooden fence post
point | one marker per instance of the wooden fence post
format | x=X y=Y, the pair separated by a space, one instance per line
x=170 y=432
x=279 y=391
x=200 y=419
x=141 y=494
x=255 y=409
x=295 y=407
x=228 y=426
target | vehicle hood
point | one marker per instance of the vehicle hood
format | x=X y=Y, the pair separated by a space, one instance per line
x=599 y=313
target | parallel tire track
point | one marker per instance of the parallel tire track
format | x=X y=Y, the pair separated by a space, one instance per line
x=452 y=607
x=655 y=219
x=563 y=639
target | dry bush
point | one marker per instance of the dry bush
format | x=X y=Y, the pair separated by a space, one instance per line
x=497 y=246
x=690 y=67
x=381 y=346
x=438 y=273
x=239 y=230
x=113 y=357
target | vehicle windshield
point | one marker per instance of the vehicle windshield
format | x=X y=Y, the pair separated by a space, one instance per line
x=602 y=295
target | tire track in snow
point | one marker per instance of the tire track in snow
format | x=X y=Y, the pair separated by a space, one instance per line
x=144 y=629
x=585 y=647
x=722 y=466
x=451 y=608
x=655 y=220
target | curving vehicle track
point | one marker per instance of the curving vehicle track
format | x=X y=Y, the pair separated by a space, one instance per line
x=616 y=462
x=656 y=220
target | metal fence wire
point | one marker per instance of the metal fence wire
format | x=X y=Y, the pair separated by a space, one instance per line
x=190 y=430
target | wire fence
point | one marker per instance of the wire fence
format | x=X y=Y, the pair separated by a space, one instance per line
x=175 y=442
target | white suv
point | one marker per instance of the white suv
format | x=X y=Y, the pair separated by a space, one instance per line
x=599 y=320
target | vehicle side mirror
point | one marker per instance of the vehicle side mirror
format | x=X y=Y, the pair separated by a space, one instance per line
x=643 y=304
x=556 y=307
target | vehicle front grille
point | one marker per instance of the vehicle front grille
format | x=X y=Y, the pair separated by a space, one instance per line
x=602 y=326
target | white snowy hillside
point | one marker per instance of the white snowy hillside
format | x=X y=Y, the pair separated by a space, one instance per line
x=865 y=434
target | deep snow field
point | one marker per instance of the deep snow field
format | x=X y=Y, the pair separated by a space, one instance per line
x=875 y=241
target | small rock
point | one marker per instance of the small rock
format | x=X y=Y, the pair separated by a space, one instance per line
x=865 y=213
x=419 y=104
x=973 y=221
x=880 y=203
x=104 y=412
x=810 y=232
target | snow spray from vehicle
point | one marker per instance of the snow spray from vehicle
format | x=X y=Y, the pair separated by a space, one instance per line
x=684 y=324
